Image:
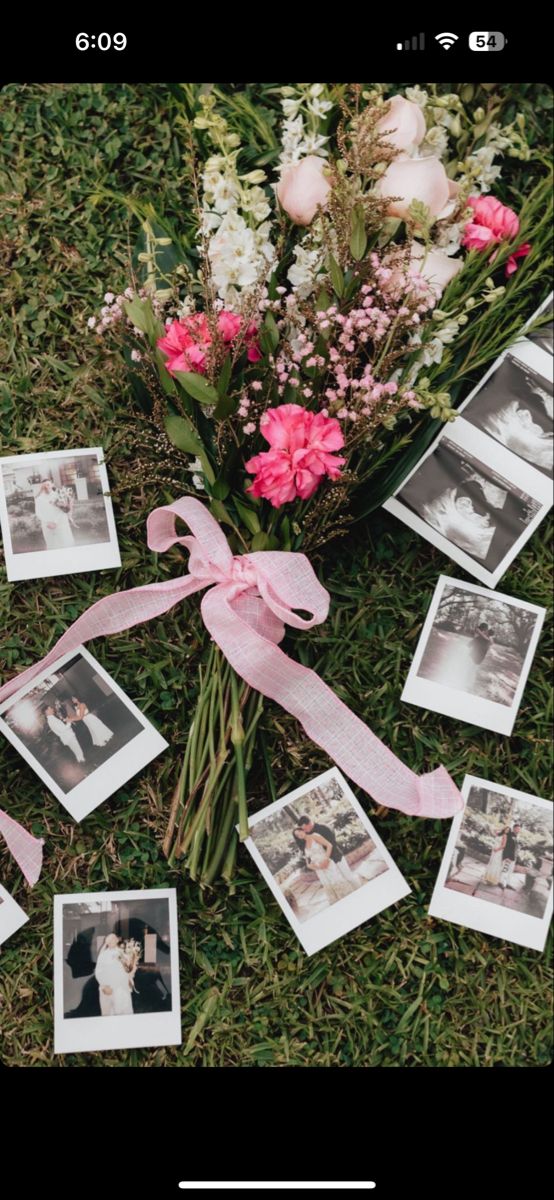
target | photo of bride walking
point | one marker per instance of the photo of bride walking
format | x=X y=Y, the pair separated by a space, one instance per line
x=116 y=970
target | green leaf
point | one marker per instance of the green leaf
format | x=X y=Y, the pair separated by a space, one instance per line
x=358 y=239
x=141 y=314
x=247 y=516
x=224 y=407
x=337 y=277
x=270 y=325
x=218 y=510
x=220 y=489
x=264 y=541
x=224 y=378
x=182 y=434
x=197 y=387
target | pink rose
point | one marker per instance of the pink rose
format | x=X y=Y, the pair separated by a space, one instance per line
x=422 y=179
x=302 y=452
x=434 y=265
x=302 y=189
x=493 y=222
x=406 y=121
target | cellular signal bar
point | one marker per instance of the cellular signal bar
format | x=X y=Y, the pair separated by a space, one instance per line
x=415 y=43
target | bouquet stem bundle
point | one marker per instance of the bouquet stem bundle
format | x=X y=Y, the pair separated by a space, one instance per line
x=210 y=797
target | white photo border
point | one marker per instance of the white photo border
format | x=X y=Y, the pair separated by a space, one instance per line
x=346 y=914
x=492 y=919
x=12 y=917
x=452 y=701
x=43 y=564
x=80 y=1035
x=110 y=775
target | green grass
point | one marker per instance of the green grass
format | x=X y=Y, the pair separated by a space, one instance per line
x=401 y=990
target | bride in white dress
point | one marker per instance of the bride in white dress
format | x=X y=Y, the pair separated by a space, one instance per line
x=65 y=733
x=99 y=732
x=56 y=526
x=317 y=851
x=115 y=983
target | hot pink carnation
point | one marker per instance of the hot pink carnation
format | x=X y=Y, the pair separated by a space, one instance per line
x=186 y=342
x=493 y=222
x=302 y=452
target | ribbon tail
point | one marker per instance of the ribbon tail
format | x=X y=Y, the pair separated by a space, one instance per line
x=26 y=849
x=327 y=721
x=110 y=615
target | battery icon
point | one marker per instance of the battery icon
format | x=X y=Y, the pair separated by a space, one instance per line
x=486 y=41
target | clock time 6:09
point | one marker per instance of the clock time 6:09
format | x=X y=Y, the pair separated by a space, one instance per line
x=101 y=41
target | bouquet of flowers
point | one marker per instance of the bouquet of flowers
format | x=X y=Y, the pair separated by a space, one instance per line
x=64 y=499
x=130 y=952
x=299 y=342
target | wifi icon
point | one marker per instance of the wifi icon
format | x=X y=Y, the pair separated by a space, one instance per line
x=446 y=40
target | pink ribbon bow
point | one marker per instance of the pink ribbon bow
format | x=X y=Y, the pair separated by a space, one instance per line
x=251 y=599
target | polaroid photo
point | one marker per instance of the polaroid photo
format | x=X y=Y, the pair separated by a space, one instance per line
x=496 y=872
x=56 y=514
x=473 y=499
x=474 y=655
x=116 y=971
x=514 y=405
x=12 y=916
x=79 y=732
x=323 y=860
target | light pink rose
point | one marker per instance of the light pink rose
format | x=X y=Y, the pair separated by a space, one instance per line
x=422 y=179
x=434 y=265
x=406 y=121
x=301 y=453
x=302 y=189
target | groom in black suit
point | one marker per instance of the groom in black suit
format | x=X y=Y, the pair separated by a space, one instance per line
x=509 y=855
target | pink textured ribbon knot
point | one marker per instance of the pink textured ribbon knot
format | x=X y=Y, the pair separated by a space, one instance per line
x=251 y=599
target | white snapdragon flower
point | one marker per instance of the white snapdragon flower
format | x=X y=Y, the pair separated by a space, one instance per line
x=303 y=273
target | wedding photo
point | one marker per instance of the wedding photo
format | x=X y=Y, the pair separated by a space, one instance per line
x=469 y=504
x=317 y=848
x=56 y=514
x=116 y=964
x=12 y=916
x=497 y=866
x=515 y=406
x=474 y=655
x=79 y=732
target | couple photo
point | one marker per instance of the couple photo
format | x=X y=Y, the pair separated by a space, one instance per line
x=317 y=849
x=503 y=852
x=72 y=722
x=477 y=645
x=77 y=728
